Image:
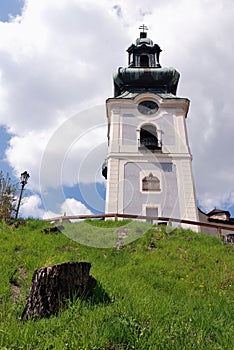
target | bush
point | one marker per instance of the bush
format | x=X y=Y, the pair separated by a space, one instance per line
x=7 y=197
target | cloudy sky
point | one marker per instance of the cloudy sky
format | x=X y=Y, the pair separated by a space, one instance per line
x=56 y=65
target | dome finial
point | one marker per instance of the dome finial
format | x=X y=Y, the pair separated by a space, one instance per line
x=143 y=33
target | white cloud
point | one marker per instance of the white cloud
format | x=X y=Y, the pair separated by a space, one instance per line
x=76 y=150
x=32 y=207
x=50 y=59
x=58 y=58
x=25 y=152
x=73 y=207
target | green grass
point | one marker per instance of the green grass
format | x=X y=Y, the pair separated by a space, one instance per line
x=160 y=291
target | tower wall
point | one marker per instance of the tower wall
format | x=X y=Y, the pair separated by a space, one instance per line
x=128 y=163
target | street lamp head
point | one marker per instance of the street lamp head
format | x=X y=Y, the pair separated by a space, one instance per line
x=24 y=178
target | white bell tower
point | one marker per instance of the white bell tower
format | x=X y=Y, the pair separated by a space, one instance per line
x=148 y=167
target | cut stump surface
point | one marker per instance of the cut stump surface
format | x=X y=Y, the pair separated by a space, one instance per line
x=53 y=285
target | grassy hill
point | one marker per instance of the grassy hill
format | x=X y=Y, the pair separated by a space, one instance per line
x=160 y=291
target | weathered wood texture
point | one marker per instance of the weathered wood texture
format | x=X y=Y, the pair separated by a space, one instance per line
x=53 y=285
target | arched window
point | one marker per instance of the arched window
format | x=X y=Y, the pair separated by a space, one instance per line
x=150 y=183
x=144 y=61
x=148 y=137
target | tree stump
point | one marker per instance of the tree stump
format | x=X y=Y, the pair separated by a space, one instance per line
x=53 y=285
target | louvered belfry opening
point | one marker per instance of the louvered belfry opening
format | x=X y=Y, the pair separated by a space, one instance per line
x=148 y=137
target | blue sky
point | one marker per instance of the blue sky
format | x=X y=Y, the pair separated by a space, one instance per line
x=4 y=138
x=10 y=8
x=56 y=64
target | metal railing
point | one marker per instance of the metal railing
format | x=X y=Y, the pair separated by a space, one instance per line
x=161 y=219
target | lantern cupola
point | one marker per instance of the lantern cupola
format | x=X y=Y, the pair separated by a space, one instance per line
x=144 y=53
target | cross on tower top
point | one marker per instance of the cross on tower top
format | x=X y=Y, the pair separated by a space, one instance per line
x=143 y=27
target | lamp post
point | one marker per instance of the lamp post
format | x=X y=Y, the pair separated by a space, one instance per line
x=23 y=180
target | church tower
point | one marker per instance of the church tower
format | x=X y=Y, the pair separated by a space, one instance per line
x=148 y=167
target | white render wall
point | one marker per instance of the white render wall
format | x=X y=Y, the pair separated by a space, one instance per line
x=124 y=122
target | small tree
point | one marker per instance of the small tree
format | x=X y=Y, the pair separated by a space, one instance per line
x=8 y=192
